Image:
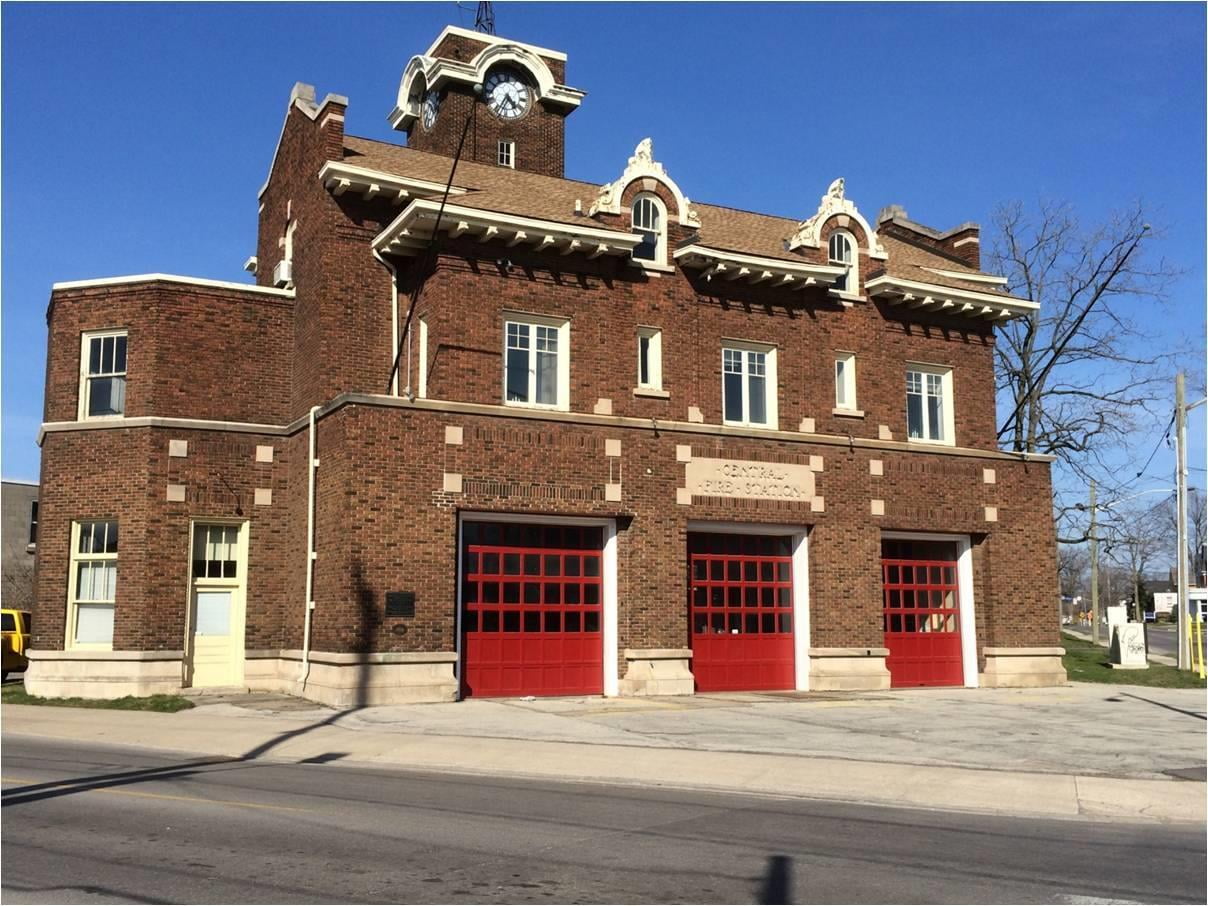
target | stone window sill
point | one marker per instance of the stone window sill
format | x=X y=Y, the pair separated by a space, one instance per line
x=848 y=413
x=652 y=393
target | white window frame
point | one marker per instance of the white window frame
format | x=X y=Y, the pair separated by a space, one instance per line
x=654 y=364
x=85 y=388
x=944 y=373
x=851 y=286
x=505 y=154
x=771 y=388
x=73 y=600
x=562 y=394
x=423 y=359
x=845 y=387
x=660 y=248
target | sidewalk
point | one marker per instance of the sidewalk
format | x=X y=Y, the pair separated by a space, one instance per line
x=1081 y=750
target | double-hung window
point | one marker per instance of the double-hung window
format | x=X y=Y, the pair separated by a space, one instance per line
x=841 y=251
x=748 y=384
x=93 y=584
x=649 y=219
x=536 y=362
x=506 y=154
x=929 y=404
x=103 y=374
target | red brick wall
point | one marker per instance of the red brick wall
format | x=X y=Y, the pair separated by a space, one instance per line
x=385 y=524
x=606 y=302
x=192 y=351
x=123 y=474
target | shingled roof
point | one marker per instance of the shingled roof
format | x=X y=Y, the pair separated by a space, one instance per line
x=517 y=192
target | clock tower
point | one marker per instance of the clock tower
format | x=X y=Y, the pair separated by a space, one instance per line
x=512 y=94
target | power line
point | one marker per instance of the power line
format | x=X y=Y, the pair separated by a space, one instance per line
x=1165 y=437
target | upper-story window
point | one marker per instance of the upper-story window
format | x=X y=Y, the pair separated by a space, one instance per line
x=842 y=252
x=93 y=584
x=929 y=404
x=748 y=384
x=845 y=382
x=103 y=374
x=650 y=358
x=33 y=522
x=537 y=362
x=650 y=219
x=506 y=156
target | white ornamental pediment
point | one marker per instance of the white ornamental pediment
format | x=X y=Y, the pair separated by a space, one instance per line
x=642 y=165
x=834 y=202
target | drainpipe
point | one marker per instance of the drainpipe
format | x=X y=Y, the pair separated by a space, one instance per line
x=312 y=464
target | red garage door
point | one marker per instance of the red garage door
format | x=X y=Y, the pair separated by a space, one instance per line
x=740 y=601
x=922 y=613
x=531 y=609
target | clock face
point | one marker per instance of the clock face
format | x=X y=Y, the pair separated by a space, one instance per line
x=507 y=95
x=431 y=108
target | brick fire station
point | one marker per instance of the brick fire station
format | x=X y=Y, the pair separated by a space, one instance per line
x=535 y=437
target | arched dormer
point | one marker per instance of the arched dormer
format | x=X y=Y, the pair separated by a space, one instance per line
x=642 y=165
x=835 y=204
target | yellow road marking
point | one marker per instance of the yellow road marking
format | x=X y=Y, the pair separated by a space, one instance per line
x=141 y=795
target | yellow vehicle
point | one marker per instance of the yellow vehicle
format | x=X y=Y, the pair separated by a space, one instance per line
x=14 y=636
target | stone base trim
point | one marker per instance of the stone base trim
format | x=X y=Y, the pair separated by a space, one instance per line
x=848 y=669
x=103 y=674
x=343 y=680
x=1023 y=667
x=657 y=671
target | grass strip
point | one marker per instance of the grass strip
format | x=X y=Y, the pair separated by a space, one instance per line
x=15 y=694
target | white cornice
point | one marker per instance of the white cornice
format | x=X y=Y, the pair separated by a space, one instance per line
x=642 y=165
x=173 y=278
x=490 y=39
x=949 y=300
x=834 y=203
x=756 y=269
x=412 y=229
x=424 y=72
x=339 y=177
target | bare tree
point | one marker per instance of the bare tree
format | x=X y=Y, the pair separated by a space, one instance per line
x=1079 y=375
x=1138 y=539
x=1073 y=568
x=1197 y=531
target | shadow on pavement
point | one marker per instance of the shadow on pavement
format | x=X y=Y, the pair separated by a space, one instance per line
x=1196 y=714
x=777 y=881
x=55 y=788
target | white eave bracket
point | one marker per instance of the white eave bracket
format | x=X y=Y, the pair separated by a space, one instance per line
x=725 y=265
x=949 y=300
x=340 y=178
x=412 y=230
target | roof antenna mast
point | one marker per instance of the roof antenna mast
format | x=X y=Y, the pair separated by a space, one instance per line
x=484 y=19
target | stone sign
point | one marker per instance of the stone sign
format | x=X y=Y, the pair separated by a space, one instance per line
x=745 y=478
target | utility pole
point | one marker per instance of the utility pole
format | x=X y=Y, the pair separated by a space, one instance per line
x=1180 y=483
x=1094 y=542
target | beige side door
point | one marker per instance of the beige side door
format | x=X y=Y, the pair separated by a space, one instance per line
x=216 y=612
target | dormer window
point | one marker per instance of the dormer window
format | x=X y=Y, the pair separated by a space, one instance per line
x=650 y=219
x=842 y=253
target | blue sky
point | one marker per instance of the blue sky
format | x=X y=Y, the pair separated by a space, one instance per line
x=136 y=136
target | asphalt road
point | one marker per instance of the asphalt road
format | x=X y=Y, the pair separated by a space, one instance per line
x=86 y=824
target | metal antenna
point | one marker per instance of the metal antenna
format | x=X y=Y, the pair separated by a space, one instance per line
x=484 y=19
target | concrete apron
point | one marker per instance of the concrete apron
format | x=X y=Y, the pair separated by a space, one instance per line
x=901 y=785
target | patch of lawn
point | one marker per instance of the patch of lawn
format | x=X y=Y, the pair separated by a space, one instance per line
x=16 y=695
x=1086 y=662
